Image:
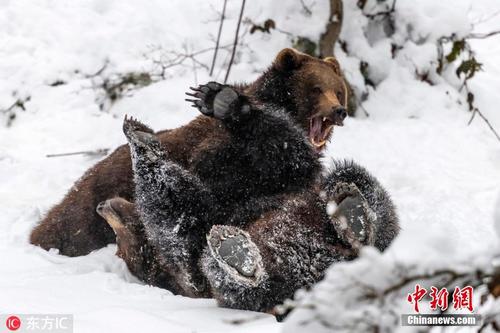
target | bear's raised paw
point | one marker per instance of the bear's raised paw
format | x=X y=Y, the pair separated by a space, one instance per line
x=134 y=129
x=219 y=101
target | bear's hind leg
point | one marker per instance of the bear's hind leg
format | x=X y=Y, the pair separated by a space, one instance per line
x=353 y=219
x=262 y=266
x=350 y=180
x=173 y=204
x=234 y=268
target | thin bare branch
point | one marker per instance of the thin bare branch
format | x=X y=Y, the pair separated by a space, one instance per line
x=222 y=17
x=480 y=114
x=305 y=8
x=364 y=110
x=235 y=44
x=486 y=18
x=17 y=105
x=482 y=35
x=92 y=153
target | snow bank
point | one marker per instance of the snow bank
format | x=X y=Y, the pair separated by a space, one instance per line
x=444 y=175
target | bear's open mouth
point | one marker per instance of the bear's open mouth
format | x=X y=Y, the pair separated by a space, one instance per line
x=320 y=129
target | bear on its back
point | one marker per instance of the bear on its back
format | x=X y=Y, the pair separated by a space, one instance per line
x=287 y=243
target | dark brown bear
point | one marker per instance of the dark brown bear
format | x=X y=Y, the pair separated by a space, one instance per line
x=262 y=264
x=307 y=91
x=268 y=246
x=288 y=244
x=134 y=248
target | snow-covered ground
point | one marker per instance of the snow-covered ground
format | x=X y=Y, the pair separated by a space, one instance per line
x=444 y=176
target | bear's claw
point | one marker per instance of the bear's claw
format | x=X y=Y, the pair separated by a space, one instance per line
x=204 y=96
x=219 y=101
x=140 y=135
x=134 y=129
x=343 y=190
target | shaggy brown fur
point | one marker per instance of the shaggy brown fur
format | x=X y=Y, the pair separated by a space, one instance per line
x=314 y=240
x=135 y=249
x=295 y=240
x=311 y=90
x=74 y=227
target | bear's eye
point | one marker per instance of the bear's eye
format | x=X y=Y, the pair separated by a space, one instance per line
x=339 y=97
x=317 y=90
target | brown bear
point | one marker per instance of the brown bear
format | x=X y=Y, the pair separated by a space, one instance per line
x=136 y=250
x=254 y=265
x=305 y=92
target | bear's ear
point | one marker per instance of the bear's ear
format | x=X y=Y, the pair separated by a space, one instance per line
x=335 y=63
x=289 y=59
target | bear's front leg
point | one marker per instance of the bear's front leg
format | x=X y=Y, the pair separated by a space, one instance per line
x=220 y=101
x=276 y=155
x=173 y=204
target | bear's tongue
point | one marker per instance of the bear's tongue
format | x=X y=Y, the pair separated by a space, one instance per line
x=319 y=130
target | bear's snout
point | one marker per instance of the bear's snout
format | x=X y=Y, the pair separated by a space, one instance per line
x=339 y=114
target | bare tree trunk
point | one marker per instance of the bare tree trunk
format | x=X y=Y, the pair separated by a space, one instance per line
x=332 y=31
x=327 y=42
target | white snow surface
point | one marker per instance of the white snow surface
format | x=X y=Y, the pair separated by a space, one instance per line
x=443 y=175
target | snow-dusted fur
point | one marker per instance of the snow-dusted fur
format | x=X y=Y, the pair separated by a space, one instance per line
x=174 y=206
x=293 y=244
x=239 y=159
x=386 y=224
x=294 y=253
x=298 y=241
x=290 y=240
x=269 y=153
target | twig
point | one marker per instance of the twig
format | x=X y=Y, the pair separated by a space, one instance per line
x=482 y=35
x=476 y=110
x=486 y=19
x=169 y=58
x=218 y=37
x=195 y=72
x=10 y=111
x=96 y=152
x=241 y=321
x=305 y=8
x=289 y=34
x=235 y=40
x=18 y=103
x=468 y=75
x=452 y=274
x=99 y=71
x=364 y=110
